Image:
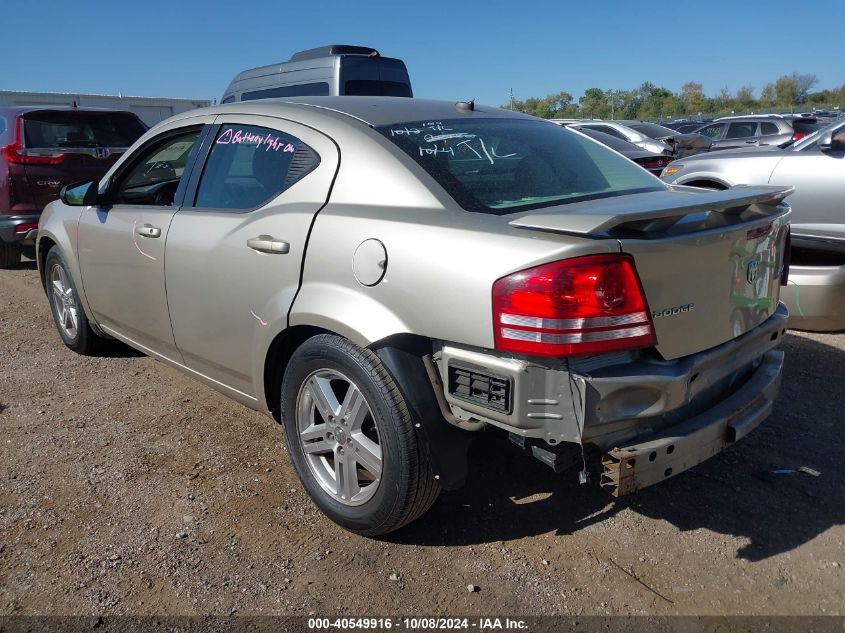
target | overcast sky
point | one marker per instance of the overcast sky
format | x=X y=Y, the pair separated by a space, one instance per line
x=453 y=50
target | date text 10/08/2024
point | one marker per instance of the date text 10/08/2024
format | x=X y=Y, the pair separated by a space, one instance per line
x=411 y=624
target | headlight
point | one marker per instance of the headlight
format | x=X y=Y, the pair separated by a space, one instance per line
x=671 y=170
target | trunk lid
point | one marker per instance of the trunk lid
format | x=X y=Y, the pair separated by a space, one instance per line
x=710 y=262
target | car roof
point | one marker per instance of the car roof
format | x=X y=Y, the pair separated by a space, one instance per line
x=374 y=111
x=767 y=117
x=19 y=110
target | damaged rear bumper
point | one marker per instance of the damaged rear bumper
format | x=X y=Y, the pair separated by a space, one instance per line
x=663 y=455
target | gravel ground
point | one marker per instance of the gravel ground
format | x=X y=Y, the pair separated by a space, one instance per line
x=128 y=488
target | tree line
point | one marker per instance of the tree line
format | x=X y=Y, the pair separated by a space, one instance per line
x=788 y=93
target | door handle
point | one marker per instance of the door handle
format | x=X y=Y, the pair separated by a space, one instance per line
x=267 y=244
x=148 y=230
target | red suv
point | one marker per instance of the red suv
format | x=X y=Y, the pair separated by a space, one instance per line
x=44 y=148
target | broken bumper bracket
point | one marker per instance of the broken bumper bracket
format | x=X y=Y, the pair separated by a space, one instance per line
x=679 y=448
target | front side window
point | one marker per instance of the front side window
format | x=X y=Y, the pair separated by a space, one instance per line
x=155 y=174
x=249 y=165
x=502 y=166
x=741 y=130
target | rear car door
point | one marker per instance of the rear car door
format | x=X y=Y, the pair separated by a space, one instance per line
x=235 y=249
x=121 y=244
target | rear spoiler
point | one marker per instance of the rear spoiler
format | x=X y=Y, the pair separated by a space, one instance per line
x=651 y=211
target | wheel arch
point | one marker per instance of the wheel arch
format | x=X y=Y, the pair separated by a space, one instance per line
x=708 y=182
x=403 y=356
x=43 y=246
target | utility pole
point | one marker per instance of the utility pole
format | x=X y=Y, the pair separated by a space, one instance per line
x=510 y=95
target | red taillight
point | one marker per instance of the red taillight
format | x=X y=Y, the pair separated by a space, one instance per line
x=653 y=163
x=25 y=228
x=798 y=136
x=16 y=153
x=584 y=305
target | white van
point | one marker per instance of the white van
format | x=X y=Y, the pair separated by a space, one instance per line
x=337 y=69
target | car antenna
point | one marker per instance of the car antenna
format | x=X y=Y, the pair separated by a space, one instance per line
x=466 y=105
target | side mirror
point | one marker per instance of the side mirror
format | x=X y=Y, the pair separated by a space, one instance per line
x=80 y=194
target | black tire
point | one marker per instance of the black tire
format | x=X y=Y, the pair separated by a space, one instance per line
x=28 y=251
x=83 y=340
x=10 y=254
x=407 y=487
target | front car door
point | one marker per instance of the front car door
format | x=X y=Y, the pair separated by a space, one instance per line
x=235 y=249
x=741 y=134
x=121 y=243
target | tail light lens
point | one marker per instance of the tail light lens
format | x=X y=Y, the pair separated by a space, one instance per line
x=17 y=154
x=584 y=305
x=653 y=163
x=26 y=228
x=798 y=136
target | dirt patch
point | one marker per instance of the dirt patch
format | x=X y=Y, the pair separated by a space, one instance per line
x=129 y=488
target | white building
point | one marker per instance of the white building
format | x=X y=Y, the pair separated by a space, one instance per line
x=150 y=110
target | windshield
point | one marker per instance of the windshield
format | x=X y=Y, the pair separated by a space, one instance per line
x=81 y=129
x=503 y=166
x=652 y=130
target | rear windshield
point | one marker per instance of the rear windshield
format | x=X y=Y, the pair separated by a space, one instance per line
x=652 y=130
x=81 y=129
x=805 y=127
x=503 y=166
x=376 y=88
x=374 y=76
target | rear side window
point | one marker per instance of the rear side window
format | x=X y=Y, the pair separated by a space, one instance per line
x=3 y=126
x=249 y=165
x=81 y=129
x=741 y=130
x=767 y=129
x=502 y=166
x=652 y=130
x=316 y=89
x=608 y=130
x=713 y=132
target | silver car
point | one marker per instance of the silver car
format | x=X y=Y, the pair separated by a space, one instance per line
x=626 y=133
x=387 y=277
x=757 y=131
x=815 y=166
